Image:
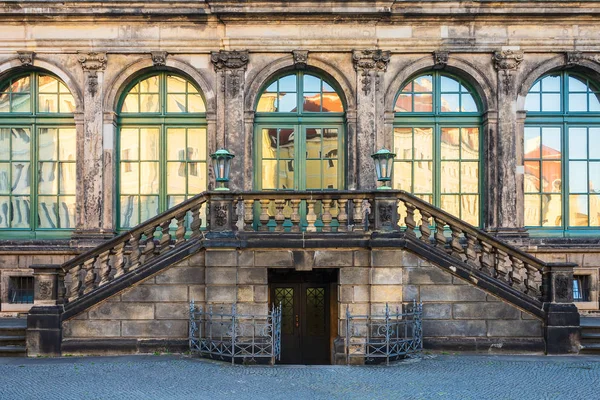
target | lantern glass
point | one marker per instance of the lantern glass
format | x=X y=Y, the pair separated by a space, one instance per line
x=221 y=160
x=384 y=164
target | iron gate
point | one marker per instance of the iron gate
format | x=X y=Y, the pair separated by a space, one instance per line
x=233 y=336
x=389 y=336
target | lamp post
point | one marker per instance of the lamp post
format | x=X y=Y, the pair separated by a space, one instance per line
x=384 y=163
x=221 y=160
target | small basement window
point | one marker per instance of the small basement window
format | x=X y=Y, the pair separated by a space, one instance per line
x=581 y=288
x=20 y=290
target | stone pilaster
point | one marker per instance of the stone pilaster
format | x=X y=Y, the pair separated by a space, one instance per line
x=230 y=67
x=90 y=188
x=508 y=218
x=370 y=66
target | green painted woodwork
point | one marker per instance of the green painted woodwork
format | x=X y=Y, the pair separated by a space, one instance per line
x=37 y=150
x=438 y=146
x=162 y=158
x=562 y=156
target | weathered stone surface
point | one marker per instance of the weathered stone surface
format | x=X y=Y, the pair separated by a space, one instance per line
x=333 y=259
x=437 y=311
x=273 y=259
x=426 y=276
x=91 y=329
x=221 y=258
x=253 y=308
x=362 y=258
x=189 y=275
x=197 y=293
x=148 y=293
x=410 y=293
x=246 y=258
x=172 y=310
x=388 y=258
x=451 y=293
x=495 y=310
x=261 y=293
x=457 y=281
x=197 y=260
x=386 y=293
x=119 y=311
x=361 y=293
x=386 y=276
x=354 y=276
x=454 y=328
x=355 y=309
x=346 y=294
x=245 y=293
x=515 y=328
x=221 y=276
x=221 y=294
x=155 y=329
x=252 y=276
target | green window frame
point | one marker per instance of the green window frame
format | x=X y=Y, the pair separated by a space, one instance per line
x=299 y=134
x=438 y=144
x=561 y=155
x=162 y=146
x=37 y=157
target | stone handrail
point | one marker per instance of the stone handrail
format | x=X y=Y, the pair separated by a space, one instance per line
x=110 y=260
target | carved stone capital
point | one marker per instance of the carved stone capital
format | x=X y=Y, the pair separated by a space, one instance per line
x=300 y=58
x=440 y=59
x=573 y=58
x=159 y=58
x=92 y=63
x=507 y=59
x=26 y=58
x=371 y=60
x=229 y=59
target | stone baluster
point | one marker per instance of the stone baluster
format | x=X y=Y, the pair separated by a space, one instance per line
x=249 y=215
x=148 y=252
x=440 y=238
x=264 y=215
x=279 y=217
x=425 y=226
x=165 y=238
x=196 y=222
x=472 y=251
x=134 y=256
x=501 y=265
x=180 y=231
x=235 y=216
x=61 y=287
x=311 y=217
x=326 y=218
x=409 y=220
x=89 y=275
x=295 y=217
x=342 y=216
x=119 y=263
x=487 y=259
x=357 y=217
x=457 y=249
x=75 y=286
x=534 y=281
x=518 y=274
x=104 y=266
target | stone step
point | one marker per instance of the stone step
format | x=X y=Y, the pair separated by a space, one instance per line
x=12 y=340
x=13 y=351
x=588 y=322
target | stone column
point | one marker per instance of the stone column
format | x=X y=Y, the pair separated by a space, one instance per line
x=562 y=325
x=370 y=66
x=90 y=165
x=231 y=70
x=508 y=218
x=44 y=333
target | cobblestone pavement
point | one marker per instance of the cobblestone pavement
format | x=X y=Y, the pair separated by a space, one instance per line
x=180 y=377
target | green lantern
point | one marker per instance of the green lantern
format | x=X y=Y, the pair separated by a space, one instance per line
x=384 y=163
x=221 y=160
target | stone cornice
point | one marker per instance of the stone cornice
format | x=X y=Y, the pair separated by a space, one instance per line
x=229 y=59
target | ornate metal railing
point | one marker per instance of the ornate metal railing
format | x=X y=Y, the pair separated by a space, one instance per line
x=384 y=337
x=233 y=336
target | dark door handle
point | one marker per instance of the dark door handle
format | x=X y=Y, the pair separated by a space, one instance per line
x=297 y=321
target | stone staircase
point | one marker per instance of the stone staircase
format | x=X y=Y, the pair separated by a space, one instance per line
x=12 y=337
x=590 y=335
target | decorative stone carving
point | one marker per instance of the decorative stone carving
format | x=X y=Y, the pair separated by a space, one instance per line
x=159 y=58
x=91 y=64
x=300 y=58
x=506 y=62
x=562 y=289
x=229 y=59
x=26 y=58
x=44 y=290
x=220 y=215
x=573 y=58
x=367 y=62
x=440 y=59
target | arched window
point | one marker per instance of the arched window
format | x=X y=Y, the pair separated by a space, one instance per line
x=162 y=146
x=37 y=156
x=562 y=153
x=299 y=135
x=437 y=144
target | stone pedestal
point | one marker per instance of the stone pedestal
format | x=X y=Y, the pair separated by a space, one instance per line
x=44 y=333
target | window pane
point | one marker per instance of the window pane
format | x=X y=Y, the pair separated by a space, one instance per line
x=551 y=83
x=551 y=210
x=423 y=138
x=149 y=174
x=176 y=144
x=21 y=85
x=5 y=186
x=423 y=177
x=129 y=144
x=148 y=207
x=66 y=212
x=594 y=145
x=550 y=102
x=313 y=174
x=287 y=103
x=131 y=104
x=286 y=174
x=4 y=102
x=451 y=204
x=532 y=102
x=21 y=139
x=403 y=103
x=595 y=210
x=4 y=212
x=149 y=85
x=470 y=177
x=196 y=178
x=129 y=216
x=594 y=177
x=551 y=176
x=594 y=102
x=449 y=103
x=67 y=178
x=332 y=103
x=532 y=142
x=48 y=178
x=470 y=143
x=327 y=88
x=20 y=212
x=423 y=103
x=267 y=103
x=578 y=143
x=48 y=144
x=288 y=84
x=449 y=84
x=67 y=104
x=47 y=103
x=403 y=176
x=129 y=178
x=47 y=212
x=467 y=103
x=576 y=84
x=578 y=210
x=312 y=102
x=67 y=140
x=532 y=176
x=197 y=144
x=551 y=141
x=269 y=174
x=578 y=102
x=176 y=84
x=47 y=84
x=21 y=102
x=195 y=103
x=578 y=179
x=450 y=143
x=311 y=84
x=450 y=177
x=176 y=178
x=532 y=210
x=149 y=103
x=21 y=178
x=149 y=144
x=423 y=84
x=470 y=209
x=176 y=103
